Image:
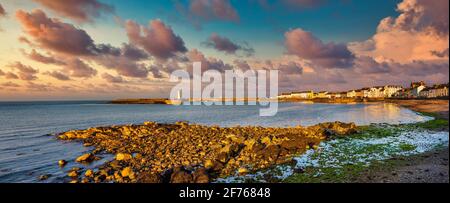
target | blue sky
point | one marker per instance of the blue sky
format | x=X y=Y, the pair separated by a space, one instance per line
x=263 y=28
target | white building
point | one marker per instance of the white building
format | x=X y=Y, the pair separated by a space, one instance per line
x=303 y=95
x=376 y=92
x=284 y=96
x=390 y=90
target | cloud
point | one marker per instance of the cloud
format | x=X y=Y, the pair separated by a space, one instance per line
x=53 y=34
x=420 y=32
x=2 y=14
x=112 y=79
x=158 y=39
x=242 y=65
x=2 y=11
x=306 y=46
x=213 y=10
x=79 y=10
x=440 y=54
x=126 y=62
x=31 y=86
x=226 y=45
x=304 y=3
x=24 y=72
x=209 y=63
x=77 y=68
x=34 y=55
x=2 y=73
x=58 y=75
x=11 y=75
x=9 y=85
x=291 y=68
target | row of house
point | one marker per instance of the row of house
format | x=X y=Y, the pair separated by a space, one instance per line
x=416 y=90
x=420 y=90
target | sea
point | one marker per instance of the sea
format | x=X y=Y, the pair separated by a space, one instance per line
x=29 y=148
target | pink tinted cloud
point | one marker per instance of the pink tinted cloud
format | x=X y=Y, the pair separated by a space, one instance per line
x=306 y=46
x=213 y=10
x=78 y=10
x=53 y=34
x=77 y=68
x=2 y=11
x=208 y=63
x=157 y=39
x=127 y=62
x=24 y=72
x=226 y=45
x=420 y=32
x=36 y=56
x=112 y=79
x=58 y=75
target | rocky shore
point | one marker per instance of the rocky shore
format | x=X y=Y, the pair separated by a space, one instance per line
x=188 y=153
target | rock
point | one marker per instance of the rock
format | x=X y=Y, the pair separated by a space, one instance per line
x=271 y=152
x=340 y=129
x=146 y=177
x=85 y=158
x=209 y=164
x=62 y=163
x=73 y=174
x=201 y=176
x=180 y=175
x=123 y=157
x=44 y=177
x=128 y=172
x=223 y=157
x=217 y=166
x=89 y=173
x=242 y=171
x=266 y=140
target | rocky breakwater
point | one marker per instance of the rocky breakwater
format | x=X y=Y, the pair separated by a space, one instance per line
x=186 y=153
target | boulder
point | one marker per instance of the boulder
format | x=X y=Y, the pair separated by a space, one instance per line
x=73 y=174
x=146 y=177
x=85 y=158
x=242 y=171
x=209 y=164
x=44 y=177
x=123 y=157
x=62 y=163
x=89 y=173
x=201 y=176
x=179 y=175
x=339 y=128
x=128 y=172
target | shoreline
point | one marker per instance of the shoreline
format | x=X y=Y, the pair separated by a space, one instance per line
x=126 y=169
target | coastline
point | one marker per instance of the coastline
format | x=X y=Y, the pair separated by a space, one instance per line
x=195 y=170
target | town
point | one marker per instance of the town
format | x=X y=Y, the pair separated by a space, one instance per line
x=416 y=90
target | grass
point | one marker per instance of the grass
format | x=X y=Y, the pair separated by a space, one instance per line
x=407 y=147
x=351 y=172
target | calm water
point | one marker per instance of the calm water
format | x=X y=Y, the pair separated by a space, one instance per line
x=28 y=150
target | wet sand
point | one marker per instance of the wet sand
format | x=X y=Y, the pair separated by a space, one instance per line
x=439 y=106
x=430 y=167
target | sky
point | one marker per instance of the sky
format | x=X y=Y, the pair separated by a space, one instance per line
x=109 y=49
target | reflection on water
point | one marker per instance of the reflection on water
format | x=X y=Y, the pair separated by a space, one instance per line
x=26 y=150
